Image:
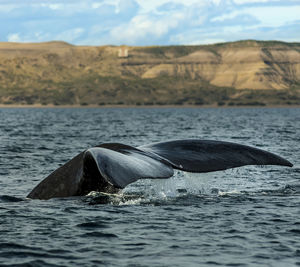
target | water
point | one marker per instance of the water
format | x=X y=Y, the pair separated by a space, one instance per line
x=244 y=217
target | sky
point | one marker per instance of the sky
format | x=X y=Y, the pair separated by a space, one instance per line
x=148 y=22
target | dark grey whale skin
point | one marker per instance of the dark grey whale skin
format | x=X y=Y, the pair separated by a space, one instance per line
x=109 y=167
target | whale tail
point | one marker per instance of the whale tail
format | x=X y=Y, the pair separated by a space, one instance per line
x=207 y=156
x=111 y=166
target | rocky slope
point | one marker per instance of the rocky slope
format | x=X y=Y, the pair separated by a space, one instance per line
x=239 y=73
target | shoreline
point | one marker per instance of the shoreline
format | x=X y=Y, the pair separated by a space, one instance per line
x=142 y=106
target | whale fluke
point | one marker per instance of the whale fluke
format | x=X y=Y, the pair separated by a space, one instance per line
x=125 y=166
x=208 y=156
x=112 y=166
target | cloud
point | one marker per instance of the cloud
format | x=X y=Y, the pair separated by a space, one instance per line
x=53 y=6
x=240 y=2
x=275 y=16
x=127 y=8
x=143 y=29
x=267 y=16
x=170 y=6
x=14 y=37
x=140 y=22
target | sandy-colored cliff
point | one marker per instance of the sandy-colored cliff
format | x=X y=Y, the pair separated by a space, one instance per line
x=60 y=73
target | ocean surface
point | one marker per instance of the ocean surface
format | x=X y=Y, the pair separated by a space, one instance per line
x=248 y=216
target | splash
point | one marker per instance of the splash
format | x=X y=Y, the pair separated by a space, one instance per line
x=114 y=199
x=233 y=182
x=181 y=184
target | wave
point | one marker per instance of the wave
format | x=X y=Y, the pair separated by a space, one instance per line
x=172 y=190
x=7 y=198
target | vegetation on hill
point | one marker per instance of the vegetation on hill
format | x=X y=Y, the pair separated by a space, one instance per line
x=226 y=74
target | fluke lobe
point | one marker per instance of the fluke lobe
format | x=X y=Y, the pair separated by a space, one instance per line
x=112 y=166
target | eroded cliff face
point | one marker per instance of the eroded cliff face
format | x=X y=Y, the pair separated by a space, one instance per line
x=249 y=67
x=48 y=71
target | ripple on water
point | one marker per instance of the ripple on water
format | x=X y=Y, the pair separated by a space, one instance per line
x=96 y=234
x=17 y=252
x=33 y=263
x=245 y=217
x=92 y=225
x=6 y=198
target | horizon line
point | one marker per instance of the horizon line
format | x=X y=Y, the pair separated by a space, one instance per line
x=125 y=45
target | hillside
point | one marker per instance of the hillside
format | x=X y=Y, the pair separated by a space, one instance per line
x=238 y=73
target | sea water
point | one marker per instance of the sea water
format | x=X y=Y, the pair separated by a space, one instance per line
x=248 y=216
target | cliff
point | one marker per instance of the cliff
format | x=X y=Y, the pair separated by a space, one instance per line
x=238 y=73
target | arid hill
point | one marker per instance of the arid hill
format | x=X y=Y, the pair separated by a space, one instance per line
x=238 y=73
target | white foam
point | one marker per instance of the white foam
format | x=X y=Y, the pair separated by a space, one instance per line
x=232 y=181
x=222 y=193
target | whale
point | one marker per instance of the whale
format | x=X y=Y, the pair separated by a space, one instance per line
x=110 y=167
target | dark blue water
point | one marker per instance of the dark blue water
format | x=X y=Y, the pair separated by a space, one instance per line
x=244 y=217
